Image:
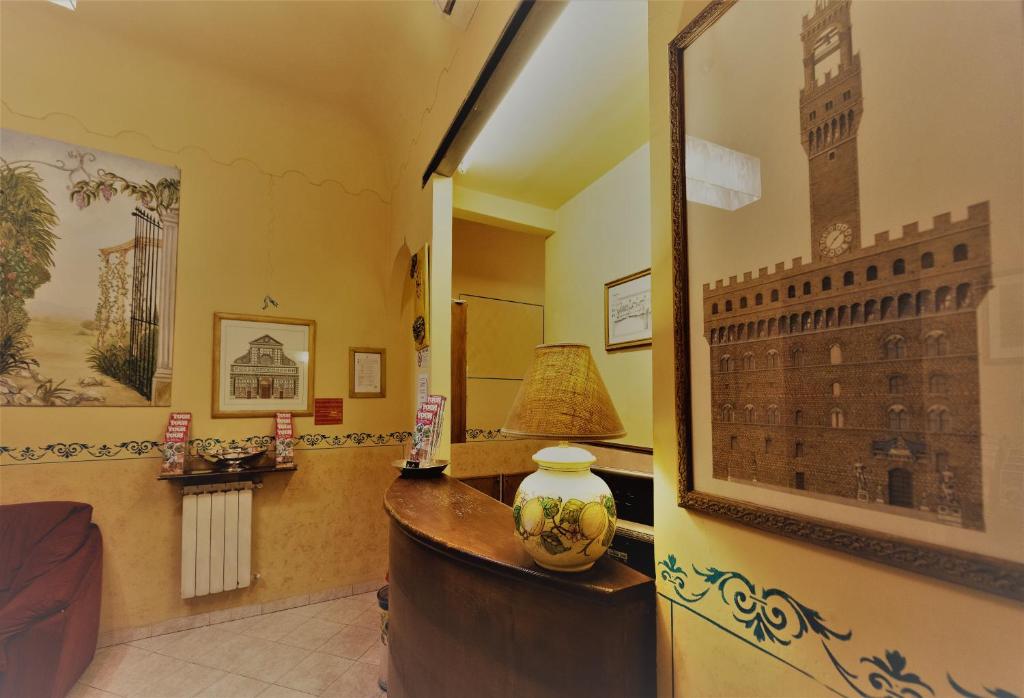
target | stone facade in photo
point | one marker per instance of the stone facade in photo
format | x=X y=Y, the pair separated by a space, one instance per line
x=854 y=375
x=264 y=371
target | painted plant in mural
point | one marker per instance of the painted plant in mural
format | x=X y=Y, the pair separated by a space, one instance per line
x=72 y=332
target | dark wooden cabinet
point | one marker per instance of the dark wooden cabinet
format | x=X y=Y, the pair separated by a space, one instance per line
x=489 y=485
x=471 y=614
x=509 y=486
x=501 y=487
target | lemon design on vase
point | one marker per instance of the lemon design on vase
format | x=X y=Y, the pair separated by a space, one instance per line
x=565 y=535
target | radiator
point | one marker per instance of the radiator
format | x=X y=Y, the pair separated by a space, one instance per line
x=216 y=538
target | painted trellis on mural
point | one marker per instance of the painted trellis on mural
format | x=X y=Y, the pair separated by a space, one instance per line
x=88 y=247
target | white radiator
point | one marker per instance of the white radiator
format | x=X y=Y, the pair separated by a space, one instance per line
x=216 y=538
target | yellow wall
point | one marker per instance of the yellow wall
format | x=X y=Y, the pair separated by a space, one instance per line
x=602 y=234
x=500 y=265
x=937 y=627
x=316 y=239
x=496 y=262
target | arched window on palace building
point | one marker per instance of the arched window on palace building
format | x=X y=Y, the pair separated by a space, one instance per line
x=835 y=354
x=837 y=418
x=898 y=418
x=938 y=419
x=895 y=347
x=936 y=343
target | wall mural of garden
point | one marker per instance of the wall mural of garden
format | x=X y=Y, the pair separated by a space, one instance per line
x=88 y=249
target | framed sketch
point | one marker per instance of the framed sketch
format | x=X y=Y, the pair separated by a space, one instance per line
x=367 y=372
x=89 y=250
x=627 y=311
x=262 y=365
x=829 y=380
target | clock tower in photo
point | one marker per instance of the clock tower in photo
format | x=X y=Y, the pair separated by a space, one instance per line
x=831 y=106
x=854 y=375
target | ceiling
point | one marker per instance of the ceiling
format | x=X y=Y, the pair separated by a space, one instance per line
x=380 y=60
x=578 y=108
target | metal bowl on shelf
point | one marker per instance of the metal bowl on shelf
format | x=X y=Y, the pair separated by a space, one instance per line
x=233 y=459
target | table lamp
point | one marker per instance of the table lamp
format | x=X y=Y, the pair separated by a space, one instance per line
x=563 y=513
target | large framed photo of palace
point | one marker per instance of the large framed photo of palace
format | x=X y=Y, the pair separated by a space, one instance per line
x=841 y=229
x=262 y=365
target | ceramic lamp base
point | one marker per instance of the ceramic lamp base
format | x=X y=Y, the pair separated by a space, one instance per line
x=564 y=514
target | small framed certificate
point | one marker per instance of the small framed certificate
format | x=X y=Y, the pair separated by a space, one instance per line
x=367 y=372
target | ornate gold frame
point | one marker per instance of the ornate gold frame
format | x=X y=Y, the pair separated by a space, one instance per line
x=988 y=574
x=215 y=410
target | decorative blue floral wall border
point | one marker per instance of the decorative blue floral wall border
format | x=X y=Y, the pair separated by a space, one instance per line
x=767 y=617
x=76 y=450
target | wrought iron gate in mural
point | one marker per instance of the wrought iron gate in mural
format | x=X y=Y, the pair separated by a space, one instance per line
x=144 y=329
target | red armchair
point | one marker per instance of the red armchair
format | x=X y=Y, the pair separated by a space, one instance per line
x=51 y=559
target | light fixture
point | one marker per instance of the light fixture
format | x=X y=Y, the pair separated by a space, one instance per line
x=564 y=514
x=445 y=6
x=69 y=4
x=721 y=177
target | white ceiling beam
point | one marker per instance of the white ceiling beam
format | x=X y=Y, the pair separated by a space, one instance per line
x=498 y=211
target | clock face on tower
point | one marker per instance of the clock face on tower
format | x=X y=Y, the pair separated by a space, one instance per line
x=835 y=240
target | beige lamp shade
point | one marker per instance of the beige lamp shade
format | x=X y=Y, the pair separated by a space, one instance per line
x=563 y=397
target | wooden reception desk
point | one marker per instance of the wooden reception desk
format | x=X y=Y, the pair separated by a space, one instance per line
x=472 y=615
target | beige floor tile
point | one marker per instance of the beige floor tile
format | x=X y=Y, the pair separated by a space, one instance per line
x=368 y=598
x=358 y=682
x=315 y=673
x=193 y=645
x=267 y=661
x=234 y=686
x=157 y=643
x=272 y=626
x=370 y=618
x=375 y=654
x=312 y=633
x=111 y=665
x=82 y=690
x=142 y=677
x=343 y=610
x=167 y=677
x=283 y=692
x=351 y=642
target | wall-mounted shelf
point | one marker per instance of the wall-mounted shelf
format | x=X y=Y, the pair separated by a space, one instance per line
x=201 y=474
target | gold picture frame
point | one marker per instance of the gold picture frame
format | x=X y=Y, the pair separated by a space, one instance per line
x=629 y=298
x=419 y=272
x=354 y=375
x=779 y=308
x=278 y=367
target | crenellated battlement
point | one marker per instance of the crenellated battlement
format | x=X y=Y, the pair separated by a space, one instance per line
x=825 y=12
x=941 y=225
x=843 y=72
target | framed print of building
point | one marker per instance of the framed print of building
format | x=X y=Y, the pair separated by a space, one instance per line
x=850 y=395
x=264 y=372
x=262 y=365
x=854 y=374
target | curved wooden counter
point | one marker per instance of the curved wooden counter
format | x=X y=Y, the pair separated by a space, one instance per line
x=470 y=614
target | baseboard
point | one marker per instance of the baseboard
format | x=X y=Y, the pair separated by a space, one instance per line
x=198 y=620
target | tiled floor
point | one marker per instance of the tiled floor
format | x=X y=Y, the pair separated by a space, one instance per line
x=331 y=649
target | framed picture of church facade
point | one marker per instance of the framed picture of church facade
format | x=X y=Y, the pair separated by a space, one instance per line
x=836 y=255
x=262 y=365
